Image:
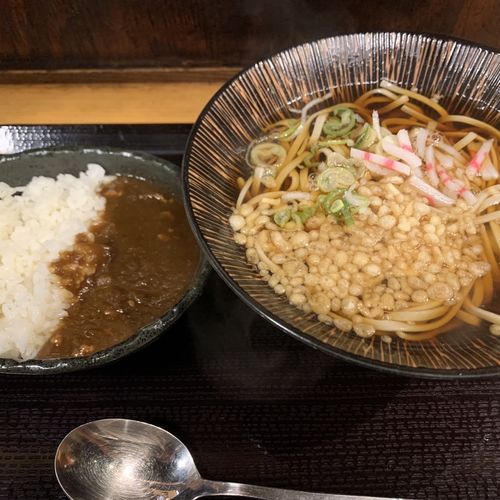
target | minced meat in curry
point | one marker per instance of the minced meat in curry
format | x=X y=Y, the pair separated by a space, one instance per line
x=130 y=268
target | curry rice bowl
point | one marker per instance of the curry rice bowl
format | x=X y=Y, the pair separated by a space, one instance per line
x=37 y=222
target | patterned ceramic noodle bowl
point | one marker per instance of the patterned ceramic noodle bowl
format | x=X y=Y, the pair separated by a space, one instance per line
x=465 y=79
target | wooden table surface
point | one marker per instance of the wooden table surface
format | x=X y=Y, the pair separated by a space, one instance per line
x=72 y=103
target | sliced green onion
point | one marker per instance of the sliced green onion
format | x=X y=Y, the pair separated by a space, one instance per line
x=328 y=144
x=327 y=200
x=366 y=138
x=281 y=217
x=296 y=218
x=349 y=167
x=340 y=124
x=336 y=206
x=283 y=129
x=331 y=142
x=306 y=213
x=347 y=215
x=356 y=200
x=335 y=178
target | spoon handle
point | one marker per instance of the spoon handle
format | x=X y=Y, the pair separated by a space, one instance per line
x=265 y=493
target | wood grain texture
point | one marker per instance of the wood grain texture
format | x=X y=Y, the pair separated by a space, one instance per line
x=120 y=75
x=140 y=33
x=104 y=103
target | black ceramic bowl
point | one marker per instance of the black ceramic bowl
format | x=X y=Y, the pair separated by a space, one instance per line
x=18 y=170
x=468 y=78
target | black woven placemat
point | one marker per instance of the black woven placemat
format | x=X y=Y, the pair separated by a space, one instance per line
x=254 y=405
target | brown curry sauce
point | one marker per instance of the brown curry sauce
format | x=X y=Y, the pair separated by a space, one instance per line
x=130 y=268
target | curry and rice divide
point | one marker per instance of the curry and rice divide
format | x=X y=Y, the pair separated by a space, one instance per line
x=376 y=215
x=86 y=261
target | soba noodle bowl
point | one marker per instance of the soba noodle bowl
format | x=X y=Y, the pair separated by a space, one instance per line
x=377 y=215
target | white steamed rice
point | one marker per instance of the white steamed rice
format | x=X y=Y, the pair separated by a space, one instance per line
x=34 y=228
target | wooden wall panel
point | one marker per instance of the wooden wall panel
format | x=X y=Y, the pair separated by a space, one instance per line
x=50 y=34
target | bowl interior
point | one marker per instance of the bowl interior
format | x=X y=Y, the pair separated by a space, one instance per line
x=468 y=79
x=19 y=169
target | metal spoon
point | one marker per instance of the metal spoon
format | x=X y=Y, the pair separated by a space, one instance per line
x=125 y=459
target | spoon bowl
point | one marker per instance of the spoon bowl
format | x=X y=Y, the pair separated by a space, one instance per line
x=123 y=459
x=119 y=458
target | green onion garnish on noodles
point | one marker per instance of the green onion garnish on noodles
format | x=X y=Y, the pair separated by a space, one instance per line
x=281 y=217
x=340 y=124
x=335 y=178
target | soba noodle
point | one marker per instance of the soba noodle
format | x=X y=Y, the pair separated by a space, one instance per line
x=377 y=215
